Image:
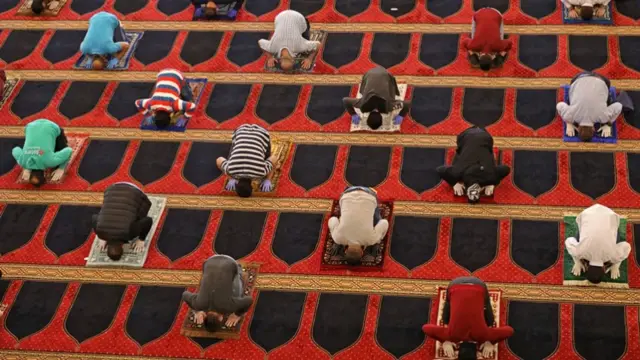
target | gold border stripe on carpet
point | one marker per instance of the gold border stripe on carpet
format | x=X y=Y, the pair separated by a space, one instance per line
x=301 y=205
x=311 y=79
x=330 y=27
x=405 y=140
x=319 y=283
x=43 y=355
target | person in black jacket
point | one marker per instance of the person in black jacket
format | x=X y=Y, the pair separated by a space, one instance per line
x=221 y=293
x=474 y=168
x=123 y=218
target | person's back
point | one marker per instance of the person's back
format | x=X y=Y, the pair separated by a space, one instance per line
x=38 y=151
x=487 y=37
x=598 y=227
x=247 y=158
x=588 y=97
x=120 y=209
x=356 y=226
x=99 y=37
x=475 y=147
x=378 y=89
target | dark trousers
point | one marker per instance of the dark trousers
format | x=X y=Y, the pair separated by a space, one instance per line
x=139 y=229
x=488 y=311
x=376 y=214
x=307 y=33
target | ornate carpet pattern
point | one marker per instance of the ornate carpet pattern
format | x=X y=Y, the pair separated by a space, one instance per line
x=59 y=309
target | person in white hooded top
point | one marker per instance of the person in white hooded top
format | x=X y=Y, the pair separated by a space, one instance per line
x=597 y=244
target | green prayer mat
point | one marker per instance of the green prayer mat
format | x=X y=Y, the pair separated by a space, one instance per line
x=571 y=230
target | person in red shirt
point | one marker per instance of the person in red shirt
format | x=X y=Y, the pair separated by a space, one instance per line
x=468 y=319
x=487 y=46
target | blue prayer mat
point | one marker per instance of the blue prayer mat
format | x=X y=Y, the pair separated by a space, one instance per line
x=178 y=122
x=133 y=38
x=596 y=137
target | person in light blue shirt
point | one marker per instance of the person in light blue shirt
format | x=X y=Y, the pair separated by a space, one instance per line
x=105 y=39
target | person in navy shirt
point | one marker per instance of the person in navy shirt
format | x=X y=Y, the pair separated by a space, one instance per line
x=216 y=10
x=105 y=40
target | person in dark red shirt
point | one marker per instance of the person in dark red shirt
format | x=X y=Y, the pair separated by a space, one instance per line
x=487 y=46
x=468 y=319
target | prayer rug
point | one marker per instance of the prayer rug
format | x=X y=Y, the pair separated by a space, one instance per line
x=191 y=329
x=602 y=20
x=495 y=296
x=281 y=149
x=597 y=138
x=75 y=142
x=84 y=62
x=129 y=259
x=178 y=121
x=571 y=230
x=388 y=124
x=51 y=9
x=373 y=258
x=223 y=12
x=7 y=90
x=315 y=35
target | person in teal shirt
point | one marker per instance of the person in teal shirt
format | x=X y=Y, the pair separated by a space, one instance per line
x=105 y=40
x=45 y=147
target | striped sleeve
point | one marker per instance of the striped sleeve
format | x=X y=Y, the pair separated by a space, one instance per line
x=187 y=107
x=268 y=167
x=225 y=166
x=143 y=105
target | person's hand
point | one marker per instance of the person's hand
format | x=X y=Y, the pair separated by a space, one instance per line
x=605 y=131
x=199 y=317
x=137 y=246
x=112 y=63
x=397 y=120
x=57 y=175
x=458 y=189
x=102 y=245
x=232 y=320
x=3 y=308
x=573 y=14
x=231 y=184
x=614 y=270
x=355 y=119
x=448 y=348
x=489 y=190
x=571 y=130
x=26 y=174
x=487 y=349
x=578 y=268
x=306 y=64
x=271 y=62
x=266 y=185
x=600 y=11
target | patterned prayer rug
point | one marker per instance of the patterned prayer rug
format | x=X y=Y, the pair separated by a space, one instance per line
x=178 y=121
x=75 y=142
x=388 y=124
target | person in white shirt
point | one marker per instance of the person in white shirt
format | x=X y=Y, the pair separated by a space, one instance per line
x=586 y=8
x=355 y=229
x=589 y=99
x=597 y=244
x=290 y=39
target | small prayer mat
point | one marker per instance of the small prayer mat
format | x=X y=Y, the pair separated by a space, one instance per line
x=123 y=63
x=51 y=9
x=178 y=121
x=315 y=35
x=281 y=149
x=7 y=90
x=373 y=257
x=571 y=230
x=495 y=297
x=75 y=142
x=604 y=20
x=129 y=259
x=387 y=119
x=191 y=329
x=597 y=138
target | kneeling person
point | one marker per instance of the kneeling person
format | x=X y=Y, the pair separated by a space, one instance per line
x=216 y=10
x=360 y=224
x=123 y=218
x=220 y=294
x=586 y=9
x=250 y=158
x=487 y=44
x=379 y=90
x=597 y=244
x=45 y=147
x=104 y=40
x=468 y=318
x=171 y=97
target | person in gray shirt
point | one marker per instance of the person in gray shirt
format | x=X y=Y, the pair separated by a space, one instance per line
x=221 y=293
x=590 y=105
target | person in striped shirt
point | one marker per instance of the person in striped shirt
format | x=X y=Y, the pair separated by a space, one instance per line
x=290 y=39
x=250 y=158
x=171 y=97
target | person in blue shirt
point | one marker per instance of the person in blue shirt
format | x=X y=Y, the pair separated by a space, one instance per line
x=216 y=10
x=105 y=40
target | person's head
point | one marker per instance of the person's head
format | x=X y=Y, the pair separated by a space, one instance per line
x=37 y=178
x=586 y=12
x=162 y=119
x=473 y=193
x=586 y=132
x=467 y=351
x=37 y=7
x=214 y=321
x=286 y=60
x=374 y=121
x=485 y=61
x=244 y=188
x=114 y=250
x=99 y=63
x=210 y=10
x=595 y=274
x=353 y=254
